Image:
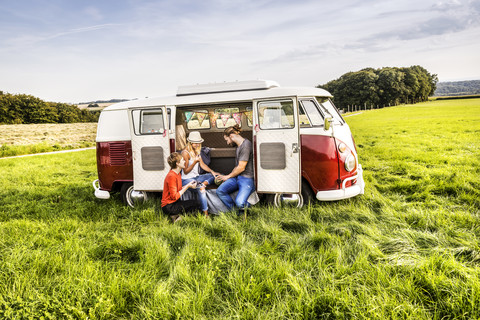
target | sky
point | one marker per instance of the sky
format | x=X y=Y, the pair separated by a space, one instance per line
x=80 y=51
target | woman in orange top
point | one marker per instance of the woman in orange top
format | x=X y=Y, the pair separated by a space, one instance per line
x=173 y=190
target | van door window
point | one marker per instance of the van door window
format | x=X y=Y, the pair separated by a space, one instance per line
x=148 y=121
x=312 y=113
x=276 y=115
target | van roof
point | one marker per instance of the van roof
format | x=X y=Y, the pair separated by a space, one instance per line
x=227 y=92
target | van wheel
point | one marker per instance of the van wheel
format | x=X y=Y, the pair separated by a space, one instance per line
x=131 y=197
x=292 y=200
x=268 y=199
x=307 y=193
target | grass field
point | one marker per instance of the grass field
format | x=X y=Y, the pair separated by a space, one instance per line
x=19 y=139
x=409 y=248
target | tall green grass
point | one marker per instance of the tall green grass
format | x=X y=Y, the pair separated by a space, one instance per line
x=408 y=248
x=7 y=150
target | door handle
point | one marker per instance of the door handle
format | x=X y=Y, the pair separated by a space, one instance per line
x=295 y=148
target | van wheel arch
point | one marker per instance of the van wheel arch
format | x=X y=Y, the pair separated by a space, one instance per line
x=307 y=192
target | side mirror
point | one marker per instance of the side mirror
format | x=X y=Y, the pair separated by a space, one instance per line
x=327 y=122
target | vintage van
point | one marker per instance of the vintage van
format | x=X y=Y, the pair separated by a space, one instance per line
x=303 y=148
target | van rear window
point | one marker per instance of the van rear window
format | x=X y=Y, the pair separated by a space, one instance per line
x=148 y=121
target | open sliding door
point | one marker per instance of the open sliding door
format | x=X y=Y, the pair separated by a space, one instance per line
x=150 y=147
x=277 y=149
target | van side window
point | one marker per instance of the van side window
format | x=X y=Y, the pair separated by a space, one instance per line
x=276 y=115
x=197 y=119
x=327 y=105
x=148 y=121
x=227 y=117
x=248 y=115
x=313 y=113
x=303 y=118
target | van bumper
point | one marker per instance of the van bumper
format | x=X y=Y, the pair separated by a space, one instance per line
x=100 y=194
x=345 y=193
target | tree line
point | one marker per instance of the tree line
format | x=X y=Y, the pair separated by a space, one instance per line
x=382 y=87
x=458 y=88
x=21 y=108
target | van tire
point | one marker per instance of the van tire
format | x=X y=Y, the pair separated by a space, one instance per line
x=123 y=191
x=268 y=199
x=127 y=191
x=307 y=193
x=278 y=202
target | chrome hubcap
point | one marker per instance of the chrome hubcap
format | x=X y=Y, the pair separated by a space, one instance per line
x=288 y=200
x=135 y=197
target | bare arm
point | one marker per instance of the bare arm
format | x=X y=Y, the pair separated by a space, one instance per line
x=207 y=168
x=188 y=168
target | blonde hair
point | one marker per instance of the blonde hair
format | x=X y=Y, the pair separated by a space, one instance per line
x=190 y=149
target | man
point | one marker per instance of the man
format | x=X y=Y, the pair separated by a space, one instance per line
x=241 y=177
x=173 y=190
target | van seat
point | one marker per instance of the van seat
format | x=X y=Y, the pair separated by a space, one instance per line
x=222 y=152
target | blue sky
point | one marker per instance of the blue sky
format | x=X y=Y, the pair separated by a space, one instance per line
x=76 y=51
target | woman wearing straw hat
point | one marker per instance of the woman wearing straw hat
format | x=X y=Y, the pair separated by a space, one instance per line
x=194 y=161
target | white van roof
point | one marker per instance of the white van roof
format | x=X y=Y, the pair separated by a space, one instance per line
x=226 y=92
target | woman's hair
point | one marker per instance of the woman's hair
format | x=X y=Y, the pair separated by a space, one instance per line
x=190 y=149
x=233 y=129
x=173 y=159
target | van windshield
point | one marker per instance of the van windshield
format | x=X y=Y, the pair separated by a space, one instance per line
x=327 y=107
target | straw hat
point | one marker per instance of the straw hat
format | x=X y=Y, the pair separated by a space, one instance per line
x=195 y=137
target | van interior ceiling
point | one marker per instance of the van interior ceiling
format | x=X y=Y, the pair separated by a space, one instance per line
x=211 y=122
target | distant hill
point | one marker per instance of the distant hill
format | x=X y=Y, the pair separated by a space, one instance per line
x=111 y=101
x=99 y=104
x=458 y=88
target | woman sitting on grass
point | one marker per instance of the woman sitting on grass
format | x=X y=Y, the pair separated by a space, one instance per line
x=173 y=190
x=191 y=155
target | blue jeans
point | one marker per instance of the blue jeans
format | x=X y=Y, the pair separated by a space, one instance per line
x=202 y=196
x=245 y=187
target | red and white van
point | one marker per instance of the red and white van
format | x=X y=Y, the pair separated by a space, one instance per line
x=303 y=148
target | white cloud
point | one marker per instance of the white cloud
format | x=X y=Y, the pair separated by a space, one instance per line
x=139 y=48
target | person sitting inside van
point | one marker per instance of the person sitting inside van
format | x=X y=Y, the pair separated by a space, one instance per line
x=173 y=190
x=241 y=177
x=194 y=161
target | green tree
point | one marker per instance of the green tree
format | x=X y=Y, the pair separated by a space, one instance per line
x=354 y=88
x=385 y=86
x=391 y=87
x=28 y=109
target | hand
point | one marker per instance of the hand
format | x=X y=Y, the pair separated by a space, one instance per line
x=215 y=174
x=198 y=158
x=224 y=178
x=192 y=184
